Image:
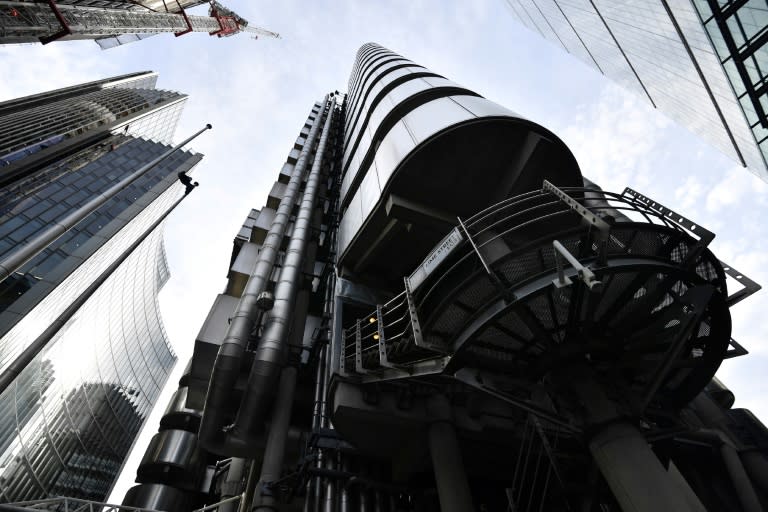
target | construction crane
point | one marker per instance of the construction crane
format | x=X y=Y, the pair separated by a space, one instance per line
x=119 y=23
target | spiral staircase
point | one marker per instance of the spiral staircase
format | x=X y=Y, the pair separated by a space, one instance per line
x=553 y=278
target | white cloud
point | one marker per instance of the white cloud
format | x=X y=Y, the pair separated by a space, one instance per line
x=735 y=186
x=689 y=193
x=612 y=138
x=29 y=69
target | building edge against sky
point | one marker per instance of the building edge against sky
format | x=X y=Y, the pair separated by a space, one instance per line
x=77 y=405
x=702 y=63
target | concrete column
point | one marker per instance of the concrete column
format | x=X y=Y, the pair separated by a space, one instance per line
x=757 y=468
x=452 y=485
x=744 y=490
x=682 y=484
x=634 y=473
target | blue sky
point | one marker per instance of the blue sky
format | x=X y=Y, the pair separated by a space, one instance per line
x=257 y=93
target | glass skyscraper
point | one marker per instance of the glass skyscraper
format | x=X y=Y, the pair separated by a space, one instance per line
x=71 y=415
x=704 y=63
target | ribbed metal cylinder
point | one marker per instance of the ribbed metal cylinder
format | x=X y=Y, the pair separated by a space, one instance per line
x=178 y=416
x=157 y=497
x=171 y=458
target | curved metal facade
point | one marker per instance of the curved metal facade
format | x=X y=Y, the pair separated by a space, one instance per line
x=398 y=113
x=71 y=417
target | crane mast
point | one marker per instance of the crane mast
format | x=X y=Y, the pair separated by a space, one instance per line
x=27 y=22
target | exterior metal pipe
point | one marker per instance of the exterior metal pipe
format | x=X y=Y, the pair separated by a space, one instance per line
x=34 y=348
x=270 y=354
x=232 y=485
x=345 y=500
x=319 y=385
x=329 y=503
x=278 y=433
x=315 y=485
x=23 y=254
x=250 y=488
x=379 y=499
x=226 y=368
x=363 y=500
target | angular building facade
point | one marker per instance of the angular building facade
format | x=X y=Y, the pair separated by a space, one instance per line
x=83 y=353
x=435 y=310
x=703 y=63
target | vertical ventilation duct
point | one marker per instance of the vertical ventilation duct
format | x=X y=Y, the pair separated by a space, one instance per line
x=213 y=435
x=272 y=349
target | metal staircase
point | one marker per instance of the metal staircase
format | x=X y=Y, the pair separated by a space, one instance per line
x=554 y=276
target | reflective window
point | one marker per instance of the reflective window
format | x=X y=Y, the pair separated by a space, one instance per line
x=673 y=60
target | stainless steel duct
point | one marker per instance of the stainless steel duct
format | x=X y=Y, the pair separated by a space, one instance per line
x=23 y=254
x=278 y=433
x=226 y=369
x=272 y=348
x=232 y=485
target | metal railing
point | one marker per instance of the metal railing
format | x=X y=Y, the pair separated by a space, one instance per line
x=389 y=340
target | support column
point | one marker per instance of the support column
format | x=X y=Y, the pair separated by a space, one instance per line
x=744 y=490
x=633 y=472
x=757 y=468
x=452 y=485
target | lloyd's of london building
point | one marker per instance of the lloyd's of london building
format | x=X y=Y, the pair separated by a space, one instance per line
x=435 y=310
x=83 y=352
